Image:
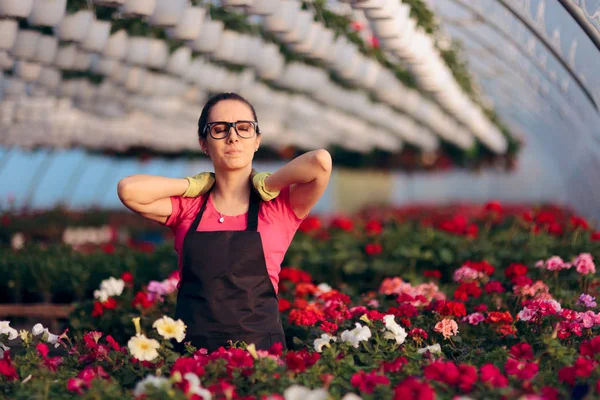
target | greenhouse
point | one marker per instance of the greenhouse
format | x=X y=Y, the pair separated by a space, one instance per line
x=363 y=199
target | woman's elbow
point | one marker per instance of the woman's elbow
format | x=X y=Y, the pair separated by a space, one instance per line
x=124 y=189
x=323 y=160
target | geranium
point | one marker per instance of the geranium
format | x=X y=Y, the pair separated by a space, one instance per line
x=413 y=389
x=447 y=327
x=521 y=369
x=491 y=375
x=142 y=348
x=168 y=328
x=366 y=382
x=584 y=264
x=7 y=369
x=299 y=361
x=587 y=300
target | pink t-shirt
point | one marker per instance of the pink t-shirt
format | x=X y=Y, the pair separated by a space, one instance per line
x=277 y=225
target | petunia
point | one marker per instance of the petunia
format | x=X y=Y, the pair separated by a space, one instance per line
x=142 y=348
x=324 y=340
x=168 y=328
x=356 y=335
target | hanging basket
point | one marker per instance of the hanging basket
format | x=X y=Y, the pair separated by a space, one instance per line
x=209 y=38
x=158 y=55
x=74 y=27
x=15 y=8
x=65 y=57
x=139 y=8
x=180 y=61
x=83 y=61
x=13 y=86
x=28 y=71
x=236 y=3
x=104 y=66
x=167 y=12
x=283 y=18
x=8 y=33
x=116 y=46
x=50 y=78
x=109 y=3
x=138 y=49
x=190 y=24
x=263 y=7
x=47 y=47
x=47 y=12
x=25 y=44
x=97 y=36
x=6 y=61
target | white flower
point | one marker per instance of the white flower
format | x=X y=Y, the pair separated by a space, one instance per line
x=323 y=341
x=298 y=392
x=433 y=349
x=351 y=396
x=112 y=286
x=142 y=348
x=395 y=331
x=17 y=241
x=100 y=295
x=157 y=381
x=3 y=348
x=7 y=330
x=195 y=387
x=38 y=329
x=356 y=335
x=324 y=288
x=170 y=329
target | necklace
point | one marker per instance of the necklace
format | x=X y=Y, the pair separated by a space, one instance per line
x=221 y=218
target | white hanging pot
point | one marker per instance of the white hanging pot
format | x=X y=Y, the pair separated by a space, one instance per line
x=158 y=53
x=309 y=42
x=13 y=86
x=236 y=3
x=6 y=61
x=25 y=44
x=74 y=27
x=284 y=17
x=83 y=61
x=47 y=12
x=227 y=46
x=189 y=25
x=210 y=36
x=167 y=12
x=263 y=7
x=299 y=28
x=28 y=71
x=137 y=50
x=134 y=78
x=180 y=61
x=97 y=36
x=65 y=57
x=8 y=33
x=47 y=46
x=116 y=46
x=272 y=63
x=50 y=77
x=142 y=8
x=386 y=9
x=15 y=8
x=104 y=66
x=241 y=53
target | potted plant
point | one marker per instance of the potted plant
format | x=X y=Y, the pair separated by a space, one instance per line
x=47 y=12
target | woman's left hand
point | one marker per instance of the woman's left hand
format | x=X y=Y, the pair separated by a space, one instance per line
x=307 y=175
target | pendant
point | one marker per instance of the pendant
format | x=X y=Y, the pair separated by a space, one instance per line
x=221 y=220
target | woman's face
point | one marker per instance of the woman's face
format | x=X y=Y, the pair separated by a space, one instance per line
x=233 y=152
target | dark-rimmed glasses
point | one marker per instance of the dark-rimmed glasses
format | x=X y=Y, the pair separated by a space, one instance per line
x=221 y=129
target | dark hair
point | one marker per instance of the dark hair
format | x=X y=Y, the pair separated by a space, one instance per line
x=212 y=102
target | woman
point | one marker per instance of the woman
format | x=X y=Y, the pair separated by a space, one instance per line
x=232 y=229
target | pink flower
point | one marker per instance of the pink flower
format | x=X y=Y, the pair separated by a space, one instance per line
x=584 y=263
x=466 y=274
x=555 y=263
x=586 y=319
x=447 y=327
x=475 y=318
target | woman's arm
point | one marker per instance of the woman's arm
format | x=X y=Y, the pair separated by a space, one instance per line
x=307 y=175
x=148 y=195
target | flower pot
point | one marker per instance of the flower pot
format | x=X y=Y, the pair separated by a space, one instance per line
x=236 y=3
x=46 y=49
x=227 y=46
x=104 y=66
x=116 y=46
x=6 y=61
x=15 y=8
x=74 y=27
x=109 y=3
x=387 y=9
x=141 y=8
x=158 y=54
x=47 y=12
x=283 y=18
x=83 y=61
x=299 y=28
x=28 y=71
x=189 y=25
x=137 y=50
x=8 y=33
x=272 y=63
x=210 y=36
x=50 y=78
x=65 y=57
x=167 y=12
x=97 y=36
x=13 y=86
x=180 y=61
x=263 y=7
x=134 y=78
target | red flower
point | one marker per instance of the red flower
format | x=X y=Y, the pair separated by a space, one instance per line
x=595 y=237
x=481 y=266
x=567 y=374
x=394 y=366
x=108 y=248
x=284 y=304
x=110 y=304
x=590 y=348
x=357 y=26
x=373 y=227
x=466 y=289
x=304 y=317
x=328 y=327
x=412 y=389
x=299 y=361
x=467 y=377
x=342 y=223
x=113 y=343
x=493 y=287
x=7 y=369
x=127 y=277
x=444 y=372
x=499 y=317
x=522 y=280
x=491 y=374
x=446 y=308
x=374 y=42
x=294 y=275
x=373 y=249
x=493 y=206
x=521 y=352
x=97 y=310
x=514 y=270
x=579 y=222
x=417 y=333
x=521 y=369
x=310 y=224
x=584 y=367
x=555 y=229
x=276 y=349
x=366 y=382
x=142 y=299
x=432 y=273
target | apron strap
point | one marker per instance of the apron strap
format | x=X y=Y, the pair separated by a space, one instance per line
x=252 y=212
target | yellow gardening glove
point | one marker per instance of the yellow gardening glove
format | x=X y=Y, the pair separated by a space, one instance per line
x=199 y=184
x=258 y=181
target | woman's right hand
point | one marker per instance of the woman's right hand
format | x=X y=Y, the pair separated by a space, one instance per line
x=149 y=196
